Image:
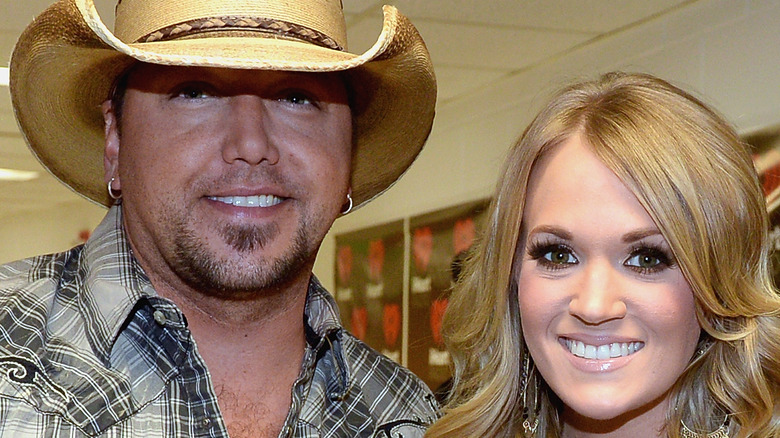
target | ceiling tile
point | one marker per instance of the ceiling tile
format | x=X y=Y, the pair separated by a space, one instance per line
x=360 y=6
x=364 y=33
x=490 y=47
x=580 y=15
x=473 y=46
x=453 y=82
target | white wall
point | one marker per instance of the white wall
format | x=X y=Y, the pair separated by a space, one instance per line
x=726 y=51
x=43 y=232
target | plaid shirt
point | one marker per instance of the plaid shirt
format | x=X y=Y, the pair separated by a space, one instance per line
x=88 y=348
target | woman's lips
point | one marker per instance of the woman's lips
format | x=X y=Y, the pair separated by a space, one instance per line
x=603 y=351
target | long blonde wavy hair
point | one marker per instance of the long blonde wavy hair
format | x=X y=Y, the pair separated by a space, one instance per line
x=696 y=179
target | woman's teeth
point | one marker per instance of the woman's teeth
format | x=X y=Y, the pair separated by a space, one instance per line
x=607 y=351
x=248 y=201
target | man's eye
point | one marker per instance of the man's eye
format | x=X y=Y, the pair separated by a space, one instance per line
x=192 y=92
x=298 y=98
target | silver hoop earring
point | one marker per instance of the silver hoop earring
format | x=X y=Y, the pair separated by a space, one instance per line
x=349 y=201
x=111 y=192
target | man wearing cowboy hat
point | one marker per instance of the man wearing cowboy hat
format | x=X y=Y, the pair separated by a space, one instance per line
x=226 y=137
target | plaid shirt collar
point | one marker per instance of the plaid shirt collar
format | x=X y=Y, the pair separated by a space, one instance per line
x=111 y=269
x=323 y=330
x=113 y=284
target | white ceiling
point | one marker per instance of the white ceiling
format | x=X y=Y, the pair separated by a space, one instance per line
x=472 y=43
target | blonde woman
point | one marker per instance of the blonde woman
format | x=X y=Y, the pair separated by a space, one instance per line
x=622 y=287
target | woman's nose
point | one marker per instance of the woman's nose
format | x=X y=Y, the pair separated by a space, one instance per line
x=599 y=294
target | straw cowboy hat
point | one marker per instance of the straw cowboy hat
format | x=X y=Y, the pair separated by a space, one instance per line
x=66 y=62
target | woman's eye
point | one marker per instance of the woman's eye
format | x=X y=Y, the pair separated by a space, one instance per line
x=552 y=256
x=647 y=260
x=643 y=261
x=559 y=256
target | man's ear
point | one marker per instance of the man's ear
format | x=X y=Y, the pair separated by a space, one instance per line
x=111 y=151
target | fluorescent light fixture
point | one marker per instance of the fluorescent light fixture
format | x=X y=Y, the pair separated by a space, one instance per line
x=17 y=175
x=4 y=76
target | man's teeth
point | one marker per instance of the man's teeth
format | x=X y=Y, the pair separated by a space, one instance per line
x=615 y=349
x=248 y=201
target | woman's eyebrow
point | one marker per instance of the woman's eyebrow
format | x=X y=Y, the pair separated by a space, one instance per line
x=633 y=236
x=551 y=229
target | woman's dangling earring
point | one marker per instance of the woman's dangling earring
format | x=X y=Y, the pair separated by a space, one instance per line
x=530 y=411
x=721 y=432
x=111 y=192
x=703 y=347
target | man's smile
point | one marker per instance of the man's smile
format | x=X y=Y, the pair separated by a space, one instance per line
x=249 y=201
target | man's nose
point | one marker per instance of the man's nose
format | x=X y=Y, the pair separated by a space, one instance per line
x=248 y=137
x=599 y=294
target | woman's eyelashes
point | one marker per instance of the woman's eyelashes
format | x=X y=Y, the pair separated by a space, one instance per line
x=643 y=258
x=649 y=258
x=552 y=255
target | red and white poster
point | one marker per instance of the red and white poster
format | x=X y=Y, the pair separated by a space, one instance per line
x=438 y=241
x=369 y=285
